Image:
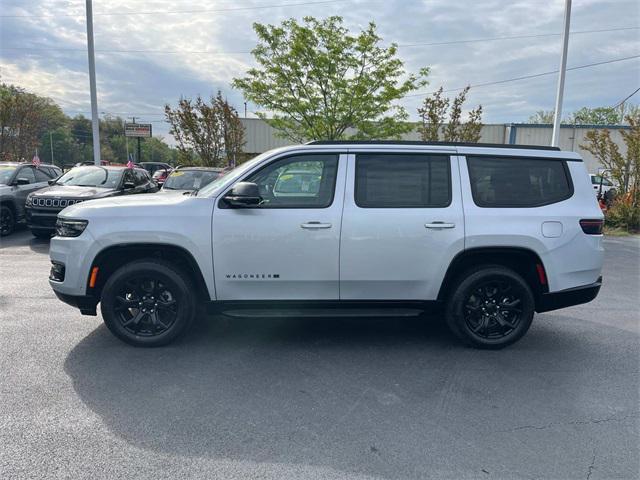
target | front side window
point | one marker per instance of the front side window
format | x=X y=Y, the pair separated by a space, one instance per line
x=518 y=182
x=303 y=181
x=402 y=180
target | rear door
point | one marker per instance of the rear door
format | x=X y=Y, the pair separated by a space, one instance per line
x=402 y=224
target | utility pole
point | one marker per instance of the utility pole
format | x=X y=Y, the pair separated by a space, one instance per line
x=92 y=85
x=51 y=143
x=555 y=138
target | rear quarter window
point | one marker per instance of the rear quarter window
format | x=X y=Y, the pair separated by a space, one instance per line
x=502 y=182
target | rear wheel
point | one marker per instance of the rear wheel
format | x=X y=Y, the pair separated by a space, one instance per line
x=148 y=303
x=491 y=307
x=7 y=221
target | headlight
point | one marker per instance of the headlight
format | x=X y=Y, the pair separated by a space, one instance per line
x=70 y=228
x=29 y=200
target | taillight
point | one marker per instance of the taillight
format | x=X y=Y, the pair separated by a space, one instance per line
x=592 y=227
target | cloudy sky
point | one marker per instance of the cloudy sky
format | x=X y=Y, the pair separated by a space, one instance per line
x=150 y=53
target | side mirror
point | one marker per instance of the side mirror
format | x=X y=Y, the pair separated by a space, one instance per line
x=128 y=185
x=243 y=195
x=22 y=181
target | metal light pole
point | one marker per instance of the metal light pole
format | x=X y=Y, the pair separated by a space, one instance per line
x=92 y=85
x=51 y=144
x=555 y=138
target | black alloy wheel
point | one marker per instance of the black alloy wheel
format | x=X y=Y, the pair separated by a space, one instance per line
x=490 y=307
x=148 y=302
x=7 y=221
x=146 y=306
x=493 y=309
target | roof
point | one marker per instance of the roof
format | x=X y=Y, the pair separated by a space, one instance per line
x=440 y=144
x=28 y=163
x=204 y=169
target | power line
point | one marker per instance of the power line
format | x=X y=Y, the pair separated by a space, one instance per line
x=243 y=52
x=626 y=98
x=513 y=37
x=525 y=77
x=180 y=12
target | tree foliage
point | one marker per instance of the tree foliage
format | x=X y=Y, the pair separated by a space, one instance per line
x=624 y=169
x=28 y=121
x=209 y=132
x=542 y=117
x=319 y=82
x=590 y=116
x=24 y=117
x=436 y=126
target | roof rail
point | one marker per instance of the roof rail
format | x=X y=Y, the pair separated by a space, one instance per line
x=415 y=142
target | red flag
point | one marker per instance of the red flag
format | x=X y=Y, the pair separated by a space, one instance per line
x=36 y=160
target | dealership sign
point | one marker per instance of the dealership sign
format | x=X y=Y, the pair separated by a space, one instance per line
x=137 y=129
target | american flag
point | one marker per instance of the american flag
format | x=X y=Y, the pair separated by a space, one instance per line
x=36 y=160
x=129 y=164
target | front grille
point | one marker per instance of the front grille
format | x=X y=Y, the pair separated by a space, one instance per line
x=53 y=202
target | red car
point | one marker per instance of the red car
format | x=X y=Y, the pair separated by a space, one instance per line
x=161 y=175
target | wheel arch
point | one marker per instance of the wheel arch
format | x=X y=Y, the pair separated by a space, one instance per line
x=109 y=259
x=523 y=261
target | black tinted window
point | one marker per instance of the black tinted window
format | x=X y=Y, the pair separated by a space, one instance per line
x=305 y=181
x=140 y=176
x=402 y=180
x=517 y=182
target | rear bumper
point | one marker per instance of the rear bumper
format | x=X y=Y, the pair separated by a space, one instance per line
x=567 y=298
x=86 y=303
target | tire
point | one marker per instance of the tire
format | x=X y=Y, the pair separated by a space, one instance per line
x=7 y=221
x=490 y=307
x=44 y=234
x=148 y=303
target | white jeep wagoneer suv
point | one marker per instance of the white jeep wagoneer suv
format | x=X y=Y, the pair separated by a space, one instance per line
x=490 y=234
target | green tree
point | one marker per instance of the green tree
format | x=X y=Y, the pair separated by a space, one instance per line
x=436 y=126
x=624 y=169
x=318 y=82
x=209 y=132
x=596 y=116
x=542 y=117
x=24 y=118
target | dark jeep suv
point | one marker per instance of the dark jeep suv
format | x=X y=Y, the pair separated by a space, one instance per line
x=17 y=180
x=78 y=185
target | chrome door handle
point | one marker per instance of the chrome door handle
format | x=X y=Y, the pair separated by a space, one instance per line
x=439 y=225
x=315 y=225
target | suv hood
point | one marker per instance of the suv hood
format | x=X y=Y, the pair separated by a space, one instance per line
x=65 y=191
x=127 y=205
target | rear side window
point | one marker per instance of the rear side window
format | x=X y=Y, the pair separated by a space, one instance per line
x=518 y=182
x=402 y=180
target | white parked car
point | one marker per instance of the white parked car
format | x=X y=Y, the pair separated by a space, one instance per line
x=597 y=180
x=489 y=234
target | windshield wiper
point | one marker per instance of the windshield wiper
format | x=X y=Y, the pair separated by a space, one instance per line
x=195 y=192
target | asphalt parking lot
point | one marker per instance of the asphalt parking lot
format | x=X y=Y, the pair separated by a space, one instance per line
x=334 y=398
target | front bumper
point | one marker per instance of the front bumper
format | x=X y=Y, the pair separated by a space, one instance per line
x=569 y=297
x=41 y=219
x=86 y=303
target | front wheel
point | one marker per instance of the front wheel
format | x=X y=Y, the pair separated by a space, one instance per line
x=148 y=303
x=490 y=307
x=7 y=221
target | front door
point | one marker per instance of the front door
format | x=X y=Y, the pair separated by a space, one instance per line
x=402 y=224
x=287 y=248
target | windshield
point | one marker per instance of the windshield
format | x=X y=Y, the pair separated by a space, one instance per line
x=213 y=187
x=91 y=177
x=6 y=172
x=189 y=179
